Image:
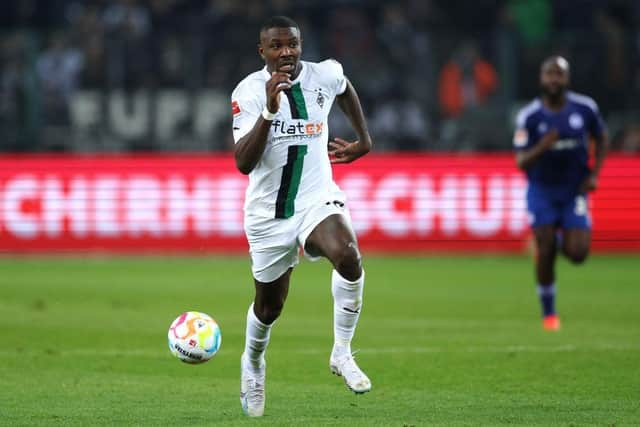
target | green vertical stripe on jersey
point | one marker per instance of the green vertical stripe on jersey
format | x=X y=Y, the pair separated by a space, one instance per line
x=290 y=182
x=296 y=102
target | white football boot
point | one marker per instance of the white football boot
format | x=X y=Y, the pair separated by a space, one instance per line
x=252 y=388
x=346 y=367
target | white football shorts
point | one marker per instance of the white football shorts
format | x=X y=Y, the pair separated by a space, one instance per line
x=274 y=243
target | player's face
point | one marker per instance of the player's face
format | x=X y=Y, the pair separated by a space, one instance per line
x=281 y=49
x=554 y=79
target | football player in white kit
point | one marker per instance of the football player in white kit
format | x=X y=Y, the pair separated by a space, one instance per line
x=281 y=141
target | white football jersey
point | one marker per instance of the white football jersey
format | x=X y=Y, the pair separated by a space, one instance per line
x=294 y=170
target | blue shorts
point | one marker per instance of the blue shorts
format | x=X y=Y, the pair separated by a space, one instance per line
x=565 y=214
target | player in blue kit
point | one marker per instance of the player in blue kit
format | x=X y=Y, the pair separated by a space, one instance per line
x=551 y=142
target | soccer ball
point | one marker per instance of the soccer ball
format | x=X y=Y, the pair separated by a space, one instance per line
x=194 y=337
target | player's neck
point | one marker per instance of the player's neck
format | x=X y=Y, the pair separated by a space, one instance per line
x=295 y=73
x=554 y=103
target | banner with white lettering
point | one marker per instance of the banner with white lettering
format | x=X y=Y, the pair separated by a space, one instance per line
x=398 y=203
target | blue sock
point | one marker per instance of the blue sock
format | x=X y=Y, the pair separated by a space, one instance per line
x=547 y=294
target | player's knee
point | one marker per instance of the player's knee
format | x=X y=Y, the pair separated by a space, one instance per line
x=348 y=262
x=577 y=255
x=268 y=313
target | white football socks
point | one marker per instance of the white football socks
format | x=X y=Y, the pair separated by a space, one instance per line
x=347 y=302
x=256 y=340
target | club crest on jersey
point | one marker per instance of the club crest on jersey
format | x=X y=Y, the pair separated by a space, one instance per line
x=575 y=121
x=320 y=98
x=235 y=108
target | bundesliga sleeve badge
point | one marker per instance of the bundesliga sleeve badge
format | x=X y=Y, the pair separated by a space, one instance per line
x=235 y=108
x=520 y=138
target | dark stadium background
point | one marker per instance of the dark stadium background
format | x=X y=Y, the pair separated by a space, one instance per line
x=62 y=61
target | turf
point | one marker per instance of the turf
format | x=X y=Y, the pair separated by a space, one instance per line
x=445 y=340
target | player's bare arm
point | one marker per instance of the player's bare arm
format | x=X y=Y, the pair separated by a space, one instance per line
x=601 y=149
x=345 y=151
x=526 y=158
x=250 y=147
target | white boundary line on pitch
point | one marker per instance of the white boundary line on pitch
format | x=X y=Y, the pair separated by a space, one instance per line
x=489 y=349
x=567 y=348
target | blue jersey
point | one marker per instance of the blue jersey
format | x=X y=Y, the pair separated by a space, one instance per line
x=558 y=173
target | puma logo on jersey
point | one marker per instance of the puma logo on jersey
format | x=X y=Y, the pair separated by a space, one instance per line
x=320 y=98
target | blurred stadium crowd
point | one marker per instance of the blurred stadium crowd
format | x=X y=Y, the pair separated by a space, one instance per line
x=434 y=75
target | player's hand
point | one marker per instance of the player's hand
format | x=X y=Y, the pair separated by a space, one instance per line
x=343 y=151
x=277 y=83
x=550 y=138
x=589 y=184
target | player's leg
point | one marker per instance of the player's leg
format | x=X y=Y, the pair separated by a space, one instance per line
x=274 y=253
x=576 y=244
x=577 y=225
x=544 y=215
x=545 y=273
x=334 y=239
x=266 y=308
x=546 y=254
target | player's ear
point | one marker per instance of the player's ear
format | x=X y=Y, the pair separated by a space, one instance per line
x=260 y=51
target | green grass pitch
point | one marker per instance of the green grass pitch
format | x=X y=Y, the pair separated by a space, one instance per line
x=445 y=340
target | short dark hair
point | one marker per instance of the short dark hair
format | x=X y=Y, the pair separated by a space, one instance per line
x=556 y=59
x=279 y=22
